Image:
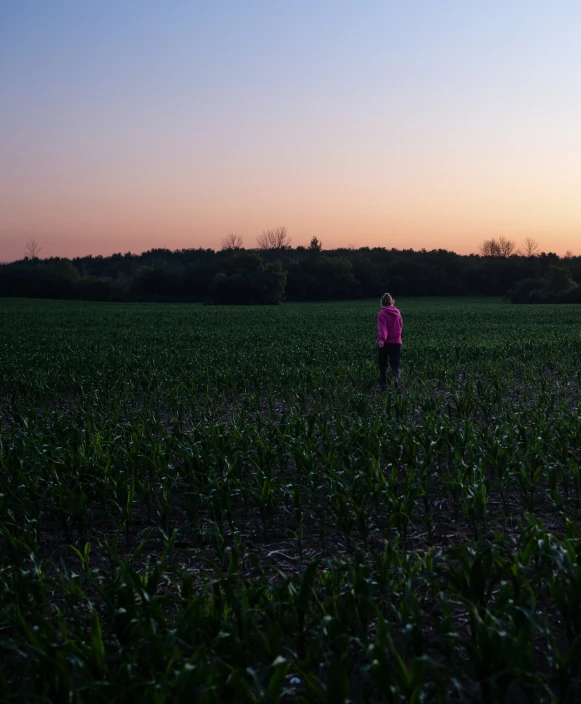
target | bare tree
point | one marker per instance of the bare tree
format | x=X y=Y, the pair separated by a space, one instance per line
x=274 y=239
x=530 y=247
x=506 y=246
x=501 y=247
x=568 y=254
x=232 y=241
x=489 y=248
x=32 y=249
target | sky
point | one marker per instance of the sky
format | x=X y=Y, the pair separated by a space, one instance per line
x=412 y=123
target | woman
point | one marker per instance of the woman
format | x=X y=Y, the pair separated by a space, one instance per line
x=389 y=327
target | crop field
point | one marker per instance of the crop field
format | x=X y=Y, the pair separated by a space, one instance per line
x=213 y=504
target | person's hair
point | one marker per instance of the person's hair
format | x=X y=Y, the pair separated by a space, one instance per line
x=387 y=300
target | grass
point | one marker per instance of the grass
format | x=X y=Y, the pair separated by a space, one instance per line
x=219 y=505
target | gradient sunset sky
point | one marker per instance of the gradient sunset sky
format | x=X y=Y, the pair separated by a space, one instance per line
x=410 y=123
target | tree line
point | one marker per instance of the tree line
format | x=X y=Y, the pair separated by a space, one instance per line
x=276 y=271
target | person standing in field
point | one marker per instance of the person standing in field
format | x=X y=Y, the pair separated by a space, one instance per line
x=389 y=328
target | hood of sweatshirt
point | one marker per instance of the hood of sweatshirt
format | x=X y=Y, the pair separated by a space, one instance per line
x=390 y=311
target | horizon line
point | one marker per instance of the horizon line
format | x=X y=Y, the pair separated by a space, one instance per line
x=423 y=250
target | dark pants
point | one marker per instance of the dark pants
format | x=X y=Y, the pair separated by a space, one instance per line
x=391 y=353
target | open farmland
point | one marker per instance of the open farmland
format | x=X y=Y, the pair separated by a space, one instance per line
x=219 y=505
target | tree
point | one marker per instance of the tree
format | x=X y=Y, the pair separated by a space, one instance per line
x=489 y=248
x=244 y=261
x=274 y=239
x=263 y=286
x=154 y=282
x=93 y=288
x=321 y=278
x=316 y=245
x=530 y=247
x=558 y=278
x=506 y=246
x=232 y=241
x=501 y=247
x=65 y=269
x=32 y=249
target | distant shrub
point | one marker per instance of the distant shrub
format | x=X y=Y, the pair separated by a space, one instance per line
x=264 y=286
x=153 y=283
x=557 y=286
x=319 y=278
x=526 y=291
x=571 y=296
x=558 y=279
x=196 y=279
x=94 y=288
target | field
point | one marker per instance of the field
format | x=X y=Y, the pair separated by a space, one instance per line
x=219 y=505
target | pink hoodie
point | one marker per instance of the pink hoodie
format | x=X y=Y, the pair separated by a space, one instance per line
x=389 y=325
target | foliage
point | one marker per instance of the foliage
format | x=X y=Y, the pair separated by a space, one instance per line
x=557 y=286
x=319 y=278
x=558 y=279
x=315 y=245
x=93 y=288
x=154 y=282
x=188 y=274
x=572 y=295
x=255 y=284
x=527 y=291
x=182 y=524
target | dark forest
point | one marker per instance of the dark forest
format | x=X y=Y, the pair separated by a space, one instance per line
x=267 y=276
